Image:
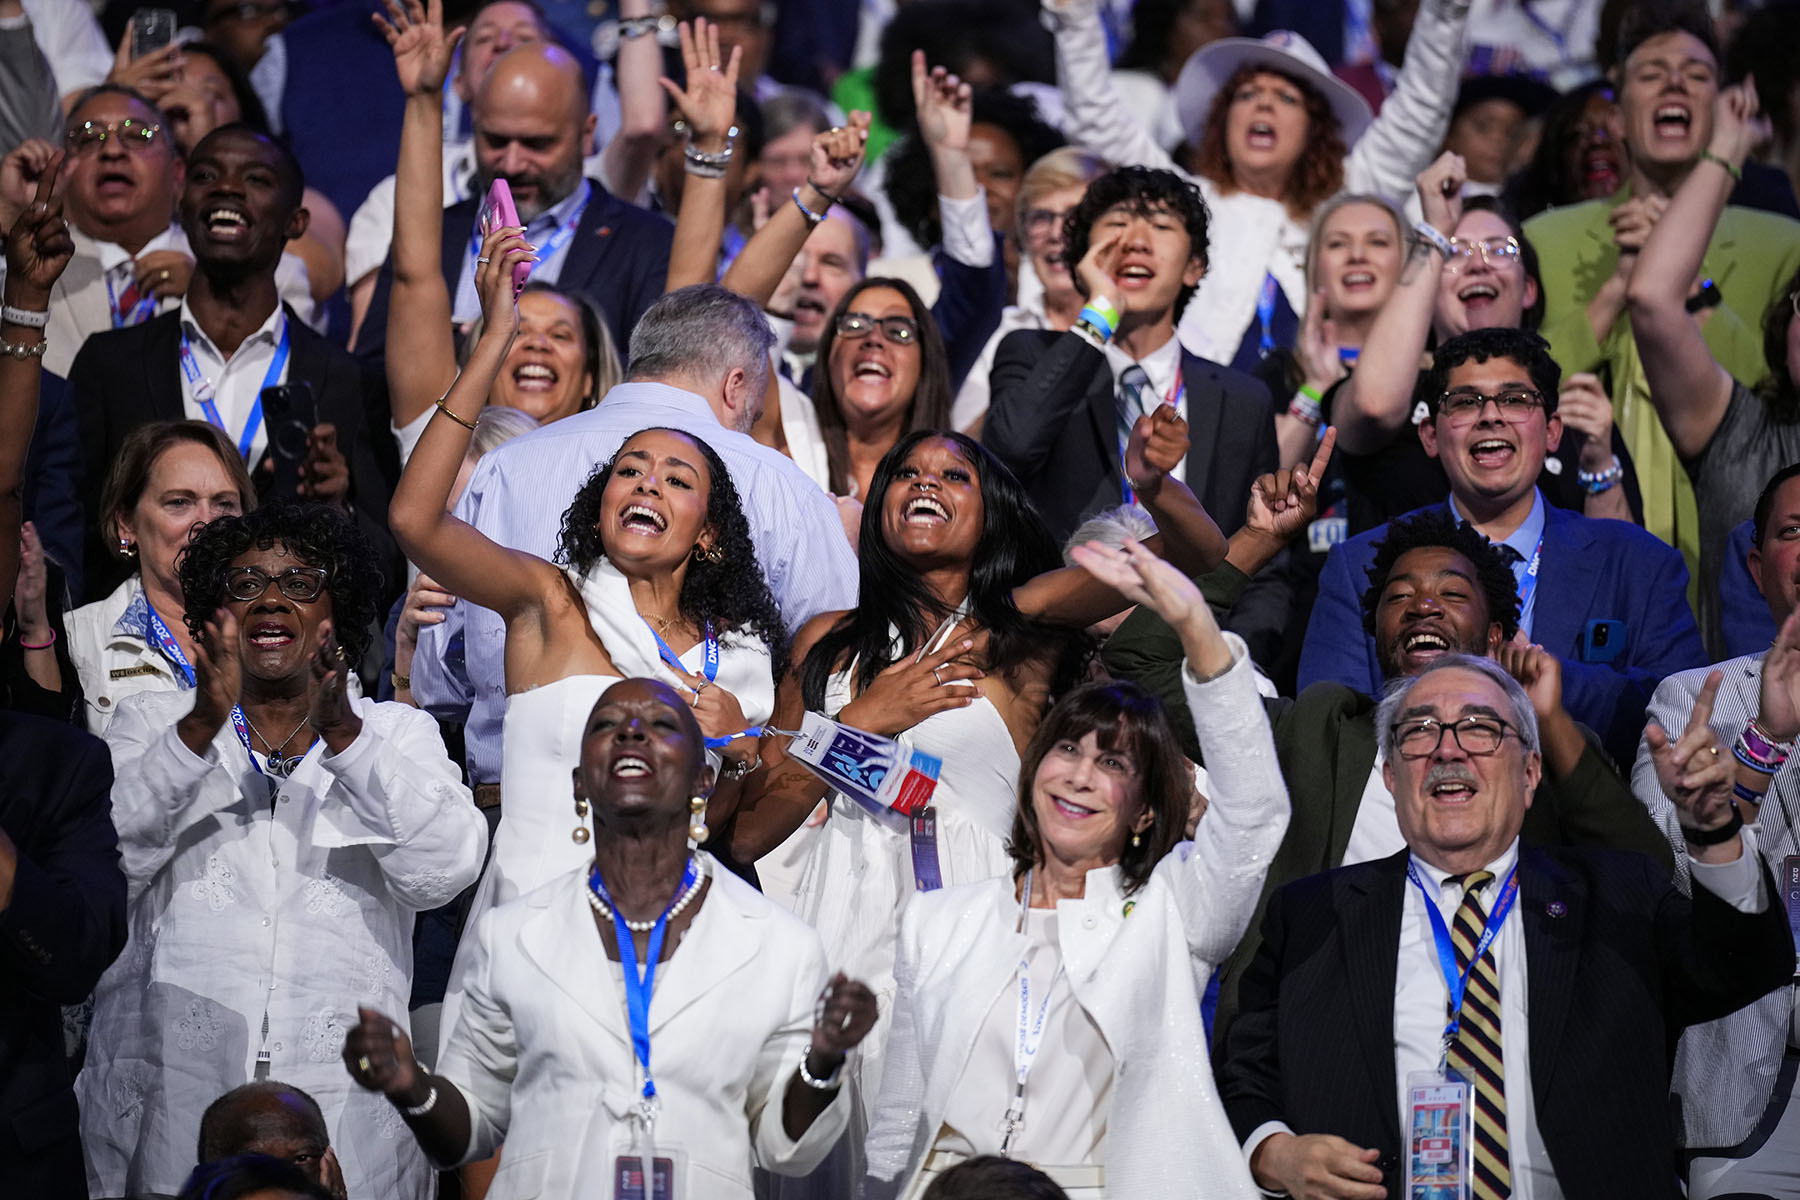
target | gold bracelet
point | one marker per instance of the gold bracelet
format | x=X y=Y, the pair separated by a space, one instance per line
x=439 y=404
x=402 y=683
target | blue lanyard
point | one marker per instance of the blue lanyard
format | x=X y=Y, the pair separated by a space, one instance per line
x=669 y=656
x=640 y=983
x=171 y=650
x=552 y=245
x=143 y=308
x=1528 y=584
x=719 y=743
x=1446 y=949
x=1174 y=397
x=1349 y=354
x=202 y=391
x=1265 y=312
x=1559 y=36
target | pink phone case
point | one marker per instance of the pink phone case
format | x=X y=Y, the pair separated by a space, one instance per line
x=498 y=212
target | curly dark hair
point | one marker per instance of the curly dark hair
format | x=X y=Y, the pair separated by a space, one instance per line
x=1780 y=396
x=1124 y=717
x=1015 y=546
x=1140 y=190
x=1500 y=341
x=1544 y=182
x=730 y=593
x=1436 y=527
x=316 y=534
x=911 y=185
x=1320 y=169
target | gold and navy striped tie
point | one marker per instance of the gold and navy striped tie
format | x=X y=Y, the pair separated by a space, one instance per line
x=1475 y=1051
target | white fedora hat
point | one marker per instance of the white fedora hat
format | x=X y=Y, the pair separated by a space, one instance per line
x=1282 y=51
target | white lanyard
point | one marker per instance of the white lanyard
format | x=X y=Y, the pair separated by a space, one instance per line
x=1031 y=1031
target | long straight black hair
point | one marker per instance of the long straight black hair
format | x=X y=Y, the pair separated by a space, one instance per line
x=1015 y=546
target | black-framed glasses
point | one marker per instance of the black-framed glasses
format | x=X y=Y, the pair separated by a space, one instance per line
x=1478 y=736
x=132 y=133
x=1462 y=406
x=296 y=583
x=901 y=331
x=1496 y=252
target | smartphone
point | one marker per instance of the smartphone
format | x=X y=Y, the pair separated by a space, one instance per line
x=151 y=30
x=1602 y=641
x=498 y=212
x=289 y=413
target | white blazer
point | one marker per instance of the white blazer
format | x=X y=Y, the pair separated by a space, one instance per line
x=542 y=1049
x=1167 y=1137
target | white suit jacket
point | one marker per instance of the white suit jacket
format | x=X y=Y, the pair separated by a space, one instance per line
x=542 y=1049
x=1167 y=1137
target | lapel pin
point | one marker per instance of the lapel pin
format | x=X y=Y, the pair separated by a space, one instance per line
x=604 y=231
x=1556 y=908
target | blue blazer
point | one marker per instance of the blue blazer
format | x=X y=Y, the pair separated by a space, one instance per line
x=1592 y=570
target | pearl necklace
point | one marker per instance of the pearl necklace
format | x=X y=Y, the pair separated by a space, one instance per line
x=682 y=901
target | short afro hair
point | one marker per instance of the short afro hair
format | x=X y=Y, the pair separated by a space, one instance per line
x=1140 y=190
x=1480 y=345
x=316 y=534
x=1435 y=527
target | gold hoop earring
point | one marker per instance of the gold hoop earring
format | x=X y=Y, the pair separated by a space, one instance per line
x=697 y=829
x=708 y=554
x=579 y=835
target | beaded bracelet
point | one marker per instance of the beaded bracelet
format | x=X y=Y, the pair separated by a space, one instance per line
x=829 y=1083
x=714 y=158
x=419 y=1110
x=1595 y=482
x=812 y=218
x=1760 y=752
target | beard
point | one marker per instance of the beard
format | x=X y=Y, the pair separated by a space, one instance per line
x=547 y=188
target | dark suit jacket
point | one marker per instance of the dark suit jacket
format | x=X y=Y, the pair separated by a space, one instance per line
x=1745 y=623
x=1053 y=420
x=1592 y=570
x=51 y=496
x=618 y=260
x=1618 y=961
x=1325 y=741
x=63 y=926
x=125 y=377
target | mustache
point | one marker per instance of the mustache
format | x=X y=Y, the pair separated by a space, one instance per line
x=1449 y=773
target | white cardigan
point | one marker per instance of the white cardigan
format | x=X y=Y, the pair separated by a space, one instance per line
x=1250 y=236
x=1167 y=1138
x=543 y=1053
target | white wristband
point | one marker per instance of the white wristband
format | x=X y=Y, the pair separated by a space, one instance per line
x=419 y=1110
x=24 y=317
x=1429 y=234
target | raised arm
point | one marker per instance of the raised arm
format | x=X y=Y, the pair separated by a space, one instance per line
x=1097 y=119
x=630 y=156
x=1690 y=390
x=707 y=107
x=1374 y=403
x=465 y=561
x=837 y=155
x=1413 y=120
x=421 y=351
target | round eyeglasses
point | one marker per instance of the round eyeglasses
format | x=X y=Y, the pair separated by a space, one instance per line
x=296 y=583
x=1495 y=252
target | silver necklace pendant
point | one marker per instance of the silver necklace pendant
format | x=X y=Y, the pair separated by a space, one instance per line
x=281 y=767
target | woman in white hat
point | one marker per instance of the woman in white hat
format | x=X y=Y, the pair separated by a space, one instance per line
x=1273 y=134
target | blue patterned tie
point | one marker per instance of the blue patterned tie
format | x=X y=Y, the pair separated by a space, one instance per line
x=1134 y=381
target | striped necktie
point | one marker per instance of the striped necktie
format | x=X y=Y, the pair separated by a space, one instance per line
x=1134 y=381
x=1475 y=1051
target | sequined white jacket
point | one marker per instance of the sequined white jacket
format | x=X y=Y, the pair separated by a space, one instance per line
x=1167 y=1137
x=261 y=920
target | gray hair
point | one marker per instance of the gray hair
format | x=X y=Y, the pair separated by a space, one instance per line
x=1524 y=717
x=787 y=111
x=702 y=331
x=496 y=426
x=1110 y=529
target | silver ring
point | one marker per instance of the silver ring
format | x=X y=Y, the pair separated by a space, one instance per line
x=480 y=259
x=936 y=676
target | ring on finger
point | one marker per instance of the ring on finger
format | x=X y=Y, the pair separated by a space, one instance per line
x=937 y=677
x=481 y=258
x=362 y=1064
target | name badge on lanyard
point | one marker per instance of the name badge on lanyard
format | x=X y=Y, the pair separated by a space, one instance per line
x=201 y=390
x=1528 y=585
x=1031 y=1030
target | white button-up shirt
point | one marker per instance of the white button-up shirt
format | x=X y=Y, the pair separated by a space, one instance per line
x=236 y=382
x=259 y=920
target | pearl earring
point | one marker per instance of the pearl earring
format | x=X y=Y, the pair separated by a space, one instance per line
x=579 y=835
x=697 y=829
x=1137 y=839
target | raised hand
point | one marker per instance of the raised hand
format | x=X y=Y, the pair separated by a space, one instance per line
x=1440 y=192
x=425 y=605
x=1094 y=271
x=1158 y=443
x=1285 y=502
x=31 y=592
x=501 y=250
x=945 y=106
x=20 y=172
x=837 y=155
x=422 y=50
x=331 y=715
x=908 y=692
x=379 y=1056
x=1778 y=709
x=1739 y=124
x=218 y=681
x=1696 y=771
x=1316 y=350
x=38 y=245
x=845 y=1014
x=153 y=74
x=324 y=473
x=1585 y=407
x=709 y=103
x=1144 y=579
x=717 y=710
x=1538 y=671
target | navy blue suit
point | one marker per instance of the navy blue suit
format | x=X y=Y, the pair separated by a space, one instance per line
x=1592 y=570
x=63 y=925
x=619 y=261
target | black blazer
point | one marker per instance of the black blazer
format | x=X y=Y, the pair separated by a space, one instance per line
x=1053 y=420
x=63 y=926
x=125 y=377
x=1619 y=963
x=618 y=260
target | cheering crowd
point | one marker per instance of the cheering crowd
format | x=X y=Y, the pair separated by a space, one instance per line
x=925 y=599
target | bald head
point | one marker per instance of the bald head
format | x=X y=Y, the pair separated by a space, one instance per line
x=265 y=1117
x=532 y=125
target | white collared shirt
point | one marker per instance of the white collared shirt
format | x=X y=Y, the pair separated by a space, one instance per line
x=236 y=382
x=1163 y=366
x=1375 y=833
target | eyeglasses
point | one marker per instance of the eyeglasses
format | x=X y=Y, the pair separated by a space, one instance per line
x=1464 y=405
x=1040 y=222
x=296 y=583
x=132 y=133
x=1477 y=736
x=901 y=331
x=1495 y=252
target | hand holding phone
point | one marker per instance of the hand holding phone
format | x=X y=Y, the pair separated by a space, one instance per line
x=498 y=212
x=151 y=30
